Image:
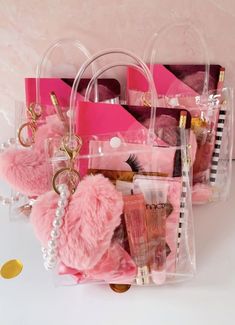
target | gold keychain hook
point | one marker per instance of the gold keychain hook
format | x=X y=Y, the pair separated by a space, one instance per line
x=72 y=146
x=32 y=125
x=34 y=115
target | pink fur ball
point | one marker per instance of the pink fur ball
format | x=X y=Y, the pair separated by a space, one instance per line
x=25 y=170
x=116 y=266
x=91 y=217
x=53 y=127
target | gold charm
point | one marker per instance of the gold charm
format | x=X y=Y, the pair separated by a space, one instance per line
x=31 y=125
x=11 y=269
x=120 y=288
x=72 y=147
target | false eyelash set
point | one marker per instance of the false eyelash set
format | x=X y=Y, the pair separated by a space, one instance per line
x=120 y=209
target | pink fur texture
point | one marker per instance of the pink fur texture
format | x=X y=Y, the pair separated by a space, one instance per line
x=53 y=127
x=27 y=170
x=116 y=266
x=92 y=215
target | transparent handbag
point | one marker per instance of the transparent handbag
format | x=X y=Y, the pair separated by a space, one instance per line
x=117 y=214
x=23 y=164
x=200 y=89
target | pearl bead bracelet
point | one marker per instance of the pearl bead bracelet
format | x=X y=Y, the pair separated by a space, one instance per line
x=50 y=253
x=5 y=200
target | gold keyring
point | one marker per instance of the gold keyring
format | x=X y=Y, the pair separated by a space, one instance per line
x=31 y=110
x=71 y=170
x=21 y=141
x=72 y=153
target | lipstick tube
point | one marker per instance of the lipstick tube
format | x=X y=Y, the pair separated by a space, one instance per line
x=135 y=219
x=155 y=195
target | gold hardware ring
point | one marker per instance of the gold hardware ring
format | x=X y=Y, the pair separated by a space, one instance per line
x=28 y=142
x=61 y=171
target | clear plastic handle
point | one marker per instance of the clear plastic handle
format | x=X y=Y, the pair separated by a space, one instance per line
x=141 y=66
x=150 y=54
x=108 y=67
x=46 y=55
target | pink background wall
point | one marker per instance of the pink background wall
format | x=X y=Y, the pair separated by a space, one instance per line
x=28 y=27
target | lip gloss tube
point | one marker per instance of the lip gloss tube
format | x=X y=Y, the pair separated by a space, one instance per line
x=155 y=195
x=135 y=219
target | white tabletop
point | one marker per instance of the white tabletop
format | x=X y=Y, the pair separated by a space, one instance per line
x=209 y=298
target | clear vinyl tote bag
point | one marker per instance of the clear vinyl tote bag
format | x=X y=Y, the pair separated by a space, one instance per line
x=200 y=89
x=118 y=213
x=23 y=162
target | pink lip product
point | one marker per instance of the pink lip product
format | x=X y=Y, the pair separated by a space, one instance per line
x=155 y=195
x=135 y=219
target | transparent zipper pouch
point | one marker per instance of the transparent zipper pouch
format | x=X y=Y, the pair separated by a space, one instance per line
x=129 y=220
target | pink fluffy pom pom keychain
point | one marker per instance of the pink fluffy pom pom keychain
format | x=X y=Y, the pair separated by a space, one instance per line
x=77 y=231
x=27 y=170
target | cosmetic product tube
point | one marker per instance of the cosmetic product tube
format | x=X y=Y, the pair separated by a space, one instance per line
x=126 y=188
x=155 y=195
x=135 y=219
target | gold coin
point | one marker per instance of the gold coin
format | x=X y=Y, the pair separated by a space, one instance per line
x=120 y=288
x=11 y=269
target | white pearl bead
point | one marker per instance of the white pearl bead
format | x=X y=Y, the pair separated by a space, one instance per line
x=43 y=249
x=48 y=266
x=11 y=141
x=55 y=233
x=52 y=243
x=52 y=252
x=57 y=223
x=62 y=203
x=45 y=256
x=51 y=260
x=64 y=195
x=59 y=212
x=62 y=188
